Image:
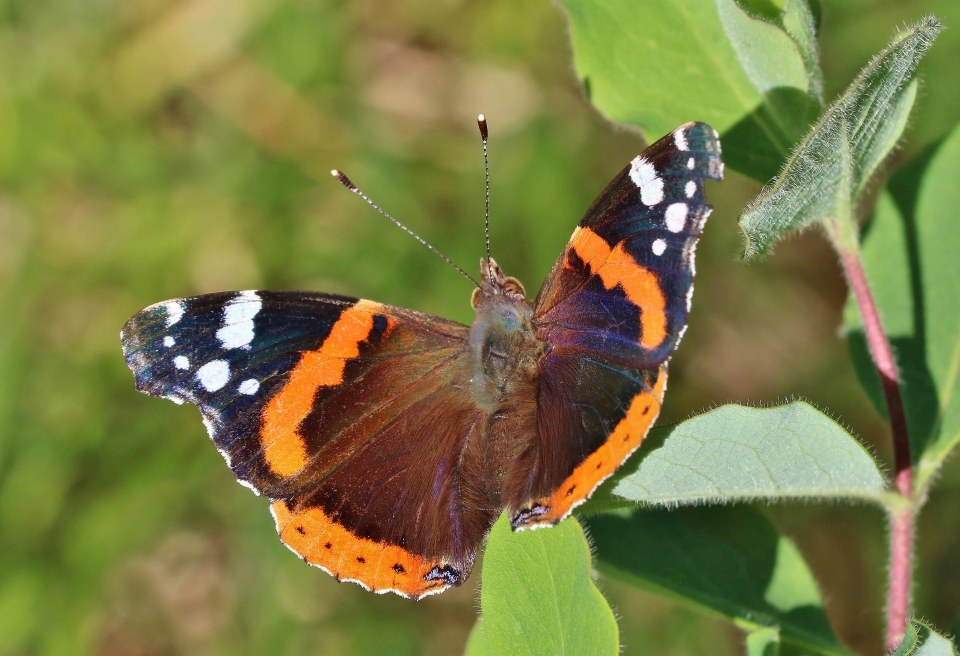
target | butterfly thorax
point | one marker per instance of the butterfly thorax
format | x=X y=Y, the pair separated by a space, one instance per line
x=505 y=351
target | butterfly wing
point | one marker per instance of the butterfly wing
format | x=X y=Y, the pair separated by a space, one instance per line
x=613 y=309
x=325 y=405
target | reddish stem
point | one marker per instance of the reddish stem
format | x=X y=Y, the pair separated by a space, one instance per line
x=901 y=521
x=887 y=368
x=898 y=593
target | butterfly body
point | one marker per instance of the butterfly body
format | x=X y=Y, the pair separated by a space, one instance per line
x=505 y=350
x=389 y=440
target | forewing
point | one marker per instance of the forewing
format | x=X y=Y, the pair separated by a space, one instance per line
x=622 y=285
x=349 y=414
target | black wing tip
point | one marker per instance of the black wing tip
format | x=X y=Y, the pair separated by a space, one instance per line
x=699 y=139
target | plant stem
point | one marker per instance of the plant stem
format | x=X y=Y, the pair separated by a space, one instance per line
x=898 y=588
x=902 y=519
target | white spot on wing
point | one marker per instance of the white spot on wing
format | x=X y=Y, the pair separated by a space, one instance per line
x=214 y=375
x=181 y=362
x=236 y=335
x=690 y=189
x=680 y=139
x=676 y=217
x=238 y=314
x=691 y=163
x=169 y=341
x=659 y=246
x=173 y=397
x=249 y=386
x=174 y=312
x=644 y=175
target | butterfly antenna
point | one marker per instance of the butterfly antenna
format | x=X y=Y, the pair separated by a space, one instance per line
x=346 y=182
x=482 y=124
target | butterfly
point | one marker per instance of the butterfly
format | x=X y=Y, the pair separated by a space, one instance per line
x=389 y=440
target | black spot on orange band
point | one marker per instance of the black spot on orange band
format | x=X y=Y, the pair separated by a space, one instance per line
x=377 y=566
x=623 y=440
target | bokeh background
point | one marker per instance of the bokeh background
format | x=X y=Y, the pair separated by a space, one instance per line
x=154 y=149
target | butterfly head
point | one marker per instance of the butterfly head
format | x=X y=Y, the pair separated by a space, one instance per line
x=496 y=286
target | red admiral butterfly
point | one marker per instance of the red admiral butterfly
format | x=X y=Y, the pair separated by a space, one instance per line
x=389 y=440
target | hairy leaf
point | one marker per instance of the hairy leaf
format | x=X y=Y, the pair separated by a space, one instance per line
x=742 y=453
x=921 y=639
x=826 y=172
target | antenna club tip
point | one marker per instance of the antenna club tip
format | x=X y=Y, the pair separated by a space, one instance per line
x=344 y=180
x=482 y=123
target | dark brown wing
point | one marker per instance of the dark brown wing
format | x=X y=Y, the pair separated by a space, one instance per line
x=352 y=416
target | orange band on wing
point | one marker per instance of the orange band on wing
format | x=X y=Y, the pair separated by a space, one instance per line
x=599 y=465
x=640 y=285
x=590 y=247
x=284 y=449
x=377 y=566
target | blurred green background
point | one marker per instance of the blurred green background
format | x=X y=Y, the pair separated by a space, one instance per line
x=154 y=149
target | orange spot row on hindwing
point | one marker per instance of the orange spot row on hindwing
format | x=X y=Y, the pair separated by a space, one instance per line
x=379 y=567
x=622 y=441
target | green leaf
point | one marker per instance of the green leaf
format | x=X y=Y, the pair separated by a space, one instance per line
x=801 y=25
x=656 y=64
x=763 y=642
x=537 y=595
x=741 y=453
x=827 y=171
x=921 y=639
x=909 y=253
x=770 y=10
x=477 y=643
x=729 y=559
